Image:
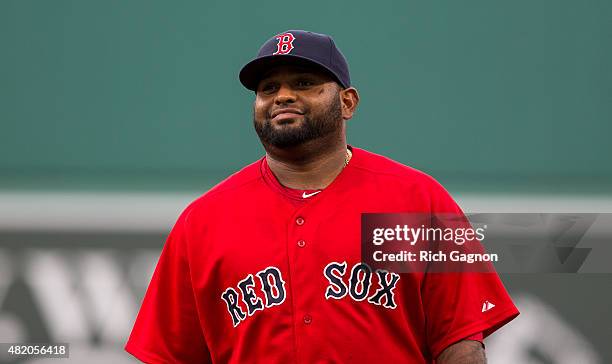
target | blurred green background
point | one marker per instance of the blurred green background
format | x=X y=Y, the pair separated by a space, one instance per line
x=503 y=96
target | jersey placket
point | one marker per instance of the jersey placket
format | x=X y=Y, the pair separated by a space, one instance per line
x=301 y=232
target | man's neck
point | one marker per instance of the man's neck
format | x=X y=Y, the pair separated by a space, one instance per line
x=307 y=168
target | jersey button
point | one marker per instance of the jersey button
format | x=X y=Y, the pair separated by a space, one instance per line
x=300 y=221
x=301 y=243
x=307 y=319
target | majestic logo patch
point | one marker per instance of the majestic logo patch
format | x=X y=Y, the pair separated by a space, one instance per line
x=285 y=43
x=486 y=306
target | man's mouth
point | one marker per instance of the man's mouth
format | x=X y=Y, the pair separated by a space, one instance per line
x=285 y=118
x=283 y=115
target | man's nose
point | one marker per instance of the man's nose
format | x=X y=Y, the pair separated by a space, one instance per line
x=285 y=95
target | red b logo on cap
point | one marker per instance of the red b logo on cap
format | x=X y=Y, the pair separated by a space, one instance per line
x=285 y=43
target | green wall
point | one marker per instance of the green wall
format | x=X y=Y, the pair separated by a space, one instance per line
x=485 y=96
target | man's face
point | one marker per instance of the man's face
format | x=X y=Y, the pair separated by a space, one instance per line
x=295 y=105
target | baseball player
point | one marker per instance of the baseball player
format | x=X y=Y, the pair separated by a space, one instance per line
x=266 y=266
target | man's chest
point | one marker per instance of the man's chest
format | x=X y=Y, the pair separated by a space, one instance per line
x=261 y=263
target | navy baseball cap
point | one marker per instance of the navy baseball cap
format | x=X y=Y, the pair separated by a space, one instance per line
x=297 y=47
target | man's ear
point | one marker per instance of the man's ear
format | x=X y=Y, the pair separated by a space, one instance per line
x=349 y=98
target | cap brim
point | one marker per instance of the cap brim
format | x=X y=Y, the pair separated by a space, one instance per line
x=253 y=72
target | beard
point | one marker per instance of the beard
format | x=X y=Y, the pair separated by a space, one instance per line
x=328 y=121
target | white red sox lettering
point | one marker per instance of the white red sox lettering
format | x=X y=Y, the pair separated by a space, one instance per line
x=270 y=280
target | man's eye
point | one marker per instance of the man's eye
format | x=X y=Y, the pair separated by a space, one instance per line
x=305 y=83
x=268 y=88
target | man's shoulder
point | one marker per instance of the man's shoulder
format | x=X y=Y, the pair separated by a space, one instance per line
x=383 y=167
x=242 y=178
x=389 y=177
x=233 y=186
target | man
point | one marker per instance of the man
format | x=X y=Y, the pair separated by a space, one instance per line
x=266 y=266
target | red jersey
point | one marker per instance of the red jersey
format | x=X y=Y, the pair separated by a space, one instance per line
x=253 y=272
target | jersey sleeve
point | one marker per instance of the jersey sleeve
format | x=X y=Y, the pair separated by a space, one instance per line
x=167 y=329
x=460 y=304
